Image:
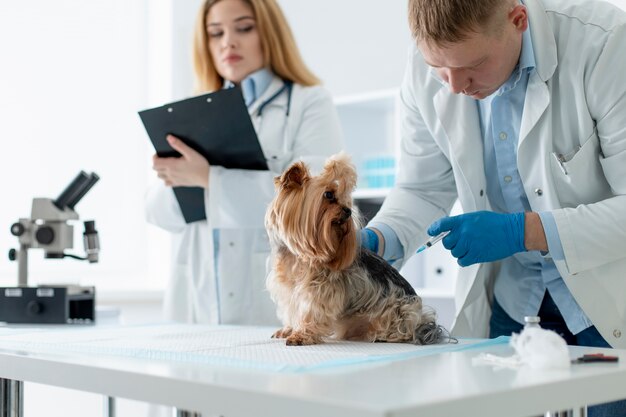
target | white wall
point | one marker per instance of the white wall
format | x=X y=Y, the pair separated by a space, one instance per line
x=74 y=75
x=352 y=45
x=72 y=78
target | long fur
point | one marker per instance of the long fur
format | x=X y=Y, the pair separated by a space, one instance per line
x=324 y=284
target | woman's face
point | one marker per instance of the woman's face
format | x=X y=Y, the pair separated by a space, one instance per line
x=234 y=41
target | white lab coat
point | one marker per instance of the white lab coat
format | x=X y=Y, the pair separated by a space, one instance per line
x=236 y=202
x=575 y=98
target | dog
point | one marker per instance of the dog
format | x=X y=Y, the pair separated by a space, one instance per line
x=325 y=285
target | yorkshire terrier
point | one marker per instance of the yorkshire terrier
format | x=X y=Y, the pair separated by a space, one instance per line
x=324 y=283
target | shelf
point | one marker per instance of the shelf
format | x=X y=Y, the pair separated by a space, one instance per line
x=370 y=124
x=373 y=193
x=434 y=293
x=369 y=99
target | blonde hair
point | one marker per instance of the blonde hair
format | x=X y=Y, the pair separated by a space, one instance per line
x=280 y=52
x=442 y=22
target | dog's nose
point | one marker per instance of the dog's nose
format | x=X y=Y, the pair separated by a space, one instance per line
x=347 y=212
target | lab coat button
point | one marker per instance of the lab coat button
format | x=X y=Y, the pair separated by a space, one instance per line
x=539 y=191
x=503 y=136
x=231 y=294
x=481 y=193
x=231 y=244
x=508 y=178
x=617 y=333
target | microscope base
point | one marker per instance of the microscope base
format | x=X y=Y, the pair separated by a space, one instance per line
x=48 y=305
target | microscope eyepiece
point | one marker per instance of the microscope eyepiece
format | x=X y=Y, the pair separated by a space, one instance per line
x=91 y=181
x=75 y=191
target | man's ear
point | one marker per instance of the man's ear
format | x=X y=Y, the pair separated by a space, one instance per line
x=519 y=16
x=294 y=177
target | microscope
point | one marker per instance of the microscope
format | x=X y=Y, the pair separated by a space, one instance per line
x=48 y=228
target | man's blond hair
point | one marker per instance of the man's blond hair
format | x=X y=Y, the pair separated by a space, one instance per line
x=442 y=22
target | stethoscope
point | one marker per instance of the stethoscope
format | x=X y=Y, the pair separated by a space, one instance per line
x=287 y=86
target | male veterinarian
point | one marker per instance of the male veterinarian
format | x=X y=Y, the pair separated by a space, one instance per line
x=519 y=111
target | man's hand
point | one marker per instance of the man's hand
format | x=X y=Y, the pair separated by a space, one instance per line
x=482 y=236
x=190 y=170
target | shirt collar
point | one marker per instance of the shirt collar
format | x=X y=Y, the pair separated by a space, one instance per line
x=254 y=85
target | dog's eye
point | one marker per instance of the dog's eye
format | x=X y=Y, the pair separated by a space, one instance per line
x=329 y=195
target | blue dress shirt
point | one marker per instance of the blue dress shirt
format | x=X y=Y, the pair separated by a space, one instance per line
x=523 y=277
x=254 y=85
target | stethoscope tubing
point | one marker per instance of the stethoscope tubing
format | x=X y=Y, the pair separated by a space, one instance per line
x=288 y=86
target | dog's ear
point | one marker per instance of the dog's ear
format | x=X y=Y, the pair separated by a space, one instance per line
x=294 y=177
x=339 y=168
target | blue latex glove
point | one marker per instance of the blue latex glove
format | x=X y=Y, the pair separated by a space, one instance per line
x=369 y=239
x=482 y=236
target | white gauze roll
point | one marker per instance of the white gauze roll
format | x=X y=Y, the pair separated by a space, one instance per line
x=541 y=349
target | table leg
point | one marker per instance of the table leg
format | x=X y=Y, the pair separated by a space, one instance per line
x=183 y=413
x=580 y=412
x=11 y=398
x=108 y=404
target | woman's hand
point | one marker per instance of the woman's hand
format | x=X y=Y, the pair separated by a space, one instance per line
x=190 y=170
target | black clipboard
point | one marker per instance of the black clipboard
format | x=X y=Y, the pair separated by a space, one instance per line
x=218 y=126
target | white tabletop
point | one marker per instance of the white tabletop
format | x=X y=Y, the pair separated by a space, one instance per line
x=443 y=384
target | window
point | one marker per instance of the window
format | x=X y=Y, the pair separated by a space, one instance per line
x=73 y=76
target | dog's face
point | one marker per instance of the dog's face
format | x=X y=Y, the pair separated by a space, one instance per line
x=312 y=216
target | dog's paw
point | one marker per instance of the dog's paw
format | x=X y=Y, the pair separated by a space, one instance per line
x=282 y=333
x=301 y=339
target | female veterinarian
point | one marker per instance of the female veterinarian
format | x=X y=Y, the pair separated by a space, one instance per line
x=219 y=264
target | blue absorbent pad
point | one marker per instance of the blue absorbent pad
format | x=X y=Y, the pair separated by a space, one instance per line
x=237 y=346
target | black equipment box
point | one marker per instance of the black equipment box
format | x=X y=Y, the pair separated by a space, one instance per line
x=48 y=305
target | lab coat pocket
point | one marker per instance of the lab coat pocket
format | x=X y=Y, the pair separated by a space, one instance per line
x=261 y=306
x=578 y=175
x=259 y=268
x=178 y=303
x=260 y=257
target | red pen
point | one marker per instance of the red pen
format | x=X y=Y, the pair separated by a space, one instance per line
x=595 y=357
